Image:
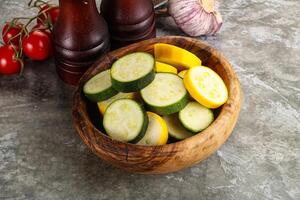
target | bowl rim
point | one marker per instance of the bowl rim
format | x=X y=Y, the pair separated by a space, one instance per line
x=233 y=101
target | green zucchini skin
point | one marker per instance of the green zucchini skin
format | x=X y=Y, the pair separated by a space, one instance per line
x=171 y=109
x=144 y=128
x=133 y=86
x=176 y=130
x=97 y=94
x=205 y=119
x=127 y=86
x=104 y=95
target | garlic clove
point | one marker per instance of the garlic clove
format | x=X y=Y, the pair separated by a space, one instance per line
x=196 y=17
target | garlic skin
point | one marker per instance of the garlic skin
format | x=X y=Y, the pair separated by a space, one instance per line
x=196 y=17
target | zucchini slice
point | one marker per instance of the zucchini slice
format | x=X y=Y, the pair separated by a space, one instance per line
x=166 y=94
x=163 y=67
x=176 y=130
x=206 y=87
x=103 y=105
x=133 y=72
x=182 y=73
x=157 y=131
x=175 y=56
x=125 y=120
x=99 y=88
x=196 y=117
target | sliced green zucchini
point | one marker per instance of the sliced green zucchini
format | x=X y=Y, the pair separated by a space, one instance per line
x=125 y=120
x=196 y=117
x=166 y=94
x=102 y=105
x=99 y=88
x=176 y=130
x=133 y=72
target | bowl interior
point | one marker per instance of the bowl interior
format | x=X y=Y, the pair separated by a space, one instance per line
x=208 y=55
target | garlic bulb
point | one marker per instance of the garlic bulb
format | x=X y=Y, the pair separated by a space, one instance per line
x=196 y=17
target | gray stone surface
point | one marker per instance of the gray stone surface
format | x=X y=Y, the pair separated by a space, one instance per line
x=41 y=156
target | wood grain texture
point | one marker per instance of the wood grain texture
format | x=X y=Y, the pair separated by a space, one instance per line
x=170 y=157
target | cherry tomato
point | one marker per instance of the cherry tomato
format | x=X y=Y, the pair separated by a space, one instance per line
x=11 y=32
x=49 y=12
x=37 y=45
x=42 y=28
x=9 y=64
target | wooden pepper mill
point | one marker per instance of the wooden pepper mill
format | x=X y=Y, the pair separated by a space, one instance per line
x=80 y=37
x=129 y=21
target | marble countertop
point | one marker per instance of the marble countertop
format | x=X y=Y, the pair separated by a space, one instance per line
x=42 y=157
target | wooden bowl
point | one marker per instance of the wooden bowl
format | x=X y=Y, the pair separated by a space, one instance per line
x=170 y=157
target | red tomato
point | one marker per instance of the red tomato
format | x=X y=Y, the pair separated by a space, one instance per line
x=11 y=32
x=37 y=45
x=42 y=28
x=9 y=64
x=49 y=12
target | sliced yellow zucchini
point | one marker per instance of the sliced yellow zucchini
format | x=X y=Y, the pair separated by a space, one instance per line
x=206 y=87
x=157 y=131
x=163 y=67
x=175 y=56
x=182 y=73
